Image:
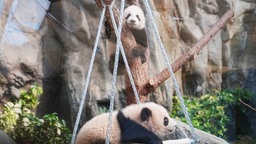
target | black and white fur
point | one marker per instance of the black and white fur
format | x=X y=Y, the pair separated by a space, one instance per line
x=132 y=132
x=135 y=20
x=149 y=121
x=134 y=17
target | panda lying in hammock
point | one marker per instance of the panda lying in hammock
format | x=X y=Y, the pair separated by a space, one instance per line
x=139 y=123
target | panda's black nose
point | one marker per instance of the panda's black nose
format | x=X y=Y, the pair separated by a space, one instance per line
x=132 y=21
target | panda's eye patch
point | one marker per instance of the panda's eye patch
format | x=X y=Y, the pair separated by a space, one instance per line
x=138 y=17
x=127 y=16
x=166 y=121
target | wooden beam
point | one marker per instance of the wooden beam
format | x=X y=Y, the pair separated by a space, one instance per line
x=156 y=81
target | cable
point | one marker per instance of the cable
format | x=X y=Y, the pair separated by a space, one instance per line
x=88 y=76
x=176 y=87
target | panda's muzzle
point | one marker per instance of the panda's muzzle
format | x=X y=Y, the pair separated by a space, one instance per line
x=172 y=130
x=132 y=21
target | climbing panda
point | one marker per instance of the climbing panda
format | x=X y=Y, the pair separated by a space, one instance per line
x=135 y=20
x=134 y=17
x=139 y=123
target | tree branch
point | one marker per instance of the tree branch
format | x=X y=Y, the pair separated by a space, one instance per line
x=133 y=2
x=247 y=105
x=155 y=82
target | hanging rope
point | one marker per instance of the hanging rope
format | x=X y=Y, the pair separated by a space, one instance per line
x=118 y=45
x=126 y=61
x=88 y=76
x=124 y=58
x=113 y=91
x=176 y=87
x=130 y=75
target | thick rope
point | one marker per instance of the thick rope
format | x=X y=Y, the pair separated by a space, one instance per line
x=113 y=91
x=137 y=98
x=119 y=46
x=88 y=76
x=176 y=87
x=130 y=75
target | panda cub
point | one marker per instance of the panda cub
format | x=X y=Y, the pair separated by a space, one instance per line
x=132 y=132
x=135 y=20
x=145 y=122
x=134 y=17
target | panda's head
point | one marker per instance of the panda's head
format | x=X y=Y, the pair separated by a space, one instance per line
x=134 y=17
x=153 y=117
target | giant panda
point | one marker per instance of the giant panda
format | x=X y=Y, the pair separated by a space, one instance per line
x=135 y=20
x=135 y=123
x=132 y=132
x=134 y=17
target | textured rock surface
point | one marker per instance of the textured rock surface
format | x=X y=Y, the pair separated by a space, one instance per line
x=183 y=131
x=20 y=45
x=57 y=54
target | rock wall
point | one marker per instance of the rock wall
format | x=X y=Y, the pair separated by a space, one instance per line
x=56 y=52
x=20 y=45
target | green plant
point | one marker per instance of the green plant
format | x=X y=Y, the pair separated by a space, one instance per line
x=209 y=112
x=239 y=95
x=20 y=122
x=206 y=114
x=48 y=130
x=8 y=118
x=102 y=110
x=29 y=99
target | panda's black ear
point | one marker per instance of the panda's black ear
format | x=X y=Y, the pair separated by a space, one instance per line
x=145 y=114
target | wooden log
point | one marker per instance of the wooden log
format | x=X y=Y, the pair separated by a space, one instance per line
x=160 y=78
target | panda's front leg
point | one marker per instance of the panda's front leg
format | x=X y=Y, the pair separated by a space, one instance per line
x=132 y=132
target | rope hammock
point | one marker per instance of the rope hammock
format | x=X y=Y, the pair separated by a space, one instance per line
x=119 y=48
